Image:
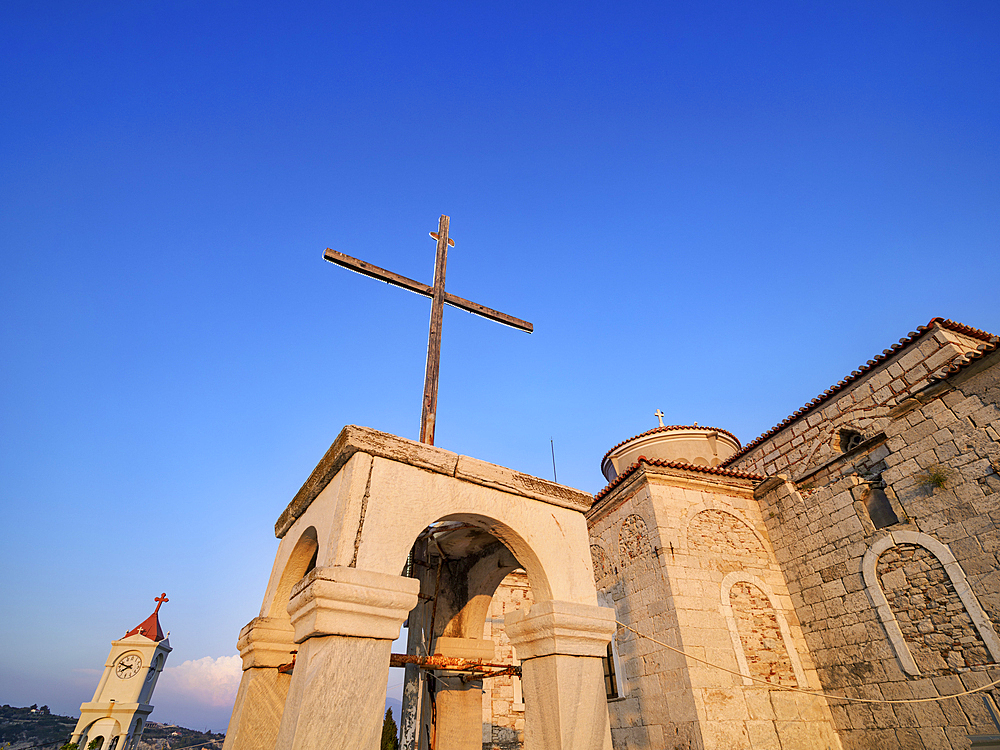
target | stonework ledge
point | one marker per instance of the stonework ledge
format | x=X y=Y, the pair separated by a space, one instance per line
x=769 y=484
x=348 y=601
x=353 y=439
x=554 y=627
x=265 y=642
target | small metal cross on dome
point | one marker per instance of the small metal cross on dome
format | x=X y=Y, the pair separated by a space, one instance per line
x=659 y=415
x=160 y=600
x=438 y=299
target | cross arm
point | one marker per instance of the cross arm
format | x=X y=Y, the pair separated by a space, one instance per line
x=487 y=312
x=367 y=269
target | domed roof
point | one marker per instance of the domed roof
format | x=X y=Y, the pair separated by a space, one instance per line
x=699 y=446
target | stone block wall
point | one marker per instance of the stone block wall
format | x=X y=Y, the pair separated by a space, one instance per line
x=909 y=610
x=684 y=557
x=503 y=708
x=628 y=578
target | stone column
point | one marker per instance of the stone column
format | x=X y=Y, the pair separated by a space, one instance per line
x=560 y=645
x=264 y=644
x=345 y=620
x=459 y=704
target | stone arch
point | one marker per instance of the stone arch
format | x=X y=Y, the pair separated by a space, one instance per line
x=979 y=621
x=106 y=729
x=722 y=531
x=633 y=539
x=300 y=561
x=369 y=498
x=464 y=616
x=602 y=565
x=754 y=621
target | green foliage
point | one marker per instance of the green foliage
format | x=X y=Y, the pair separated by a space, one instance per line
x=936 y=476
x=70 y=746
x=95 y=743
x=389 y=731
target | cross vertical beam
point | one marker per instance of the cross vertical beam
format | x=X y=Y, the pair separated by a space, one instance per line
x=439 y=297
x=428 y=414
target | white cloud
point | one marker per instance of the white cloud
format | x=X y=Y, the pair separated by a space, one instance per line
x=208 y=681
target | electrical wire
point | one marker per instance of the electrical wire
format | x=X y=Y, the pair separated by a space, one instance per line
x=807 y=692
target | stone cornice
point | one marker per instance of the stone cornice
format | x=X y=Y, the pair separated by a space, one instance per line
x=354 y=439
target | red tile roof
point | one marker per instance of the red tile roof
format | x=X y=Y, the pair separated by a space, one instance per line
x=642 y=460
x=150 y=628
x=960 y=363
x=667 y=428
x=872 y=363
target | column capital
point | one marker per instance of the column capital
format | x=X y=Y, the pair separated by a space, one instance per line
x=557 y=627
x=265 y=642
x=347 y=601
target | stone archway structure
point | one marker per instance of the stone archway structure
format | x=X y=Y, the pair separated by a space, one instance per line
x=345 y=538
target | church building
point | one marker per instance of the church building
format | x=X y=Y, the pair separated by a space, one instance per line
x=832 y=585
x=851 y=550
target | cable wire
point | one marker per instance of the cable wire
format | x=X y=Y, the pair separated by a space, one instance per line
x=807 y=692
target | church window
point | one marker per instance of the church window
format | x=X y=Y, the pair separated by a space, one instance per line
x=849 y=440
x=879 y=509
x=610 y=675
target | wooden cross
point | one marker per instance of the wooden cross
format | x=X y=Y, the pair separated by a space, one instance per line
x=159 y=600
x=438 y=297
x=659 y=415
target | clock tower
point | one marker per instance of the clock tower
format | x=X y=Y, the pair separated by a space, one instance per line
x=117 y=714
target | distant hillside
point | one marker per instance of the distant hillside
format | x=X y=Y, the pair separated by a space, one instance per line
x=34 y=727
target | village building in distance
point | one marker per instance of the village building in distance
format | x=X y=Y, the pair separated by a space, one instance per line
x=852 y=550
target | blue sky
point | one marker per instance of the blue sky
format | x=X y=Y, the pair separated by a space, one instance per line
x=715 y=209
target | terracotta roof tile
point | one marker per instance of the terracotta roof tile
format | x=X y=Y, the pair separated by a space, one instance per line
x=960 y=363
x=642 y=460
x=668 y=428
x=951 y=325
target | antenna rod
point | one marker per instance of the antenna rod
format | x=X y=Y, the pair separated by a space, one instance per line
x=552 y=443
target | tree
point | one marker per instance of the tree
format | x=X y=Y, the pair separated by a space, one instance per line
x=389 y=739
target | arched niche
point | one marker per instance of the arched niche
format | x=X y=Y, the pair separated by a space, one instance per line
x=869 y=569
x=729 y=530
x=740 y=643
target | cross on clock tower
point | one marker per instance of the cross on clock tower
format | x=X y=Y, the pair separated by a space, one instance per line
x=117 y=714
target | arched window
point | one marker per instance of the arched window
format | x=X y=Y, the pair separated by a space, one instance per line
x=849 y=440
x=879 y=509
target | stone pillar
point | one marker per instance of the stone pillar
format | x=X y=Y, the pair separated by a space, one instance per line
x=264 y=644
x=459 y=704
x=345 y=620
x=560 y=645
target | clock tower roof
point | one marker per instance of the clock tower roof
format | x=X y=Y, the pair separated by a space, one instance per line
x=150 y=627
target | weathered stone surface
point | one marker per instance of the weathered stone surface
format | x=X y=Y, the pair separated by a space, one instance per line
x=354 y=439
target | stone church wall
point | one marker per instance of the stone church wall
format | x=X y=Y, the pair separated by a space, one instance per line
x=685 y=559
x=909 y=609
x=503 y=707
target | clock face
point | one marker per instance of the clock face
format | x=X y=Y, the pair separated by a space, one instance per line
x=152 y=670
x=128 y=666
